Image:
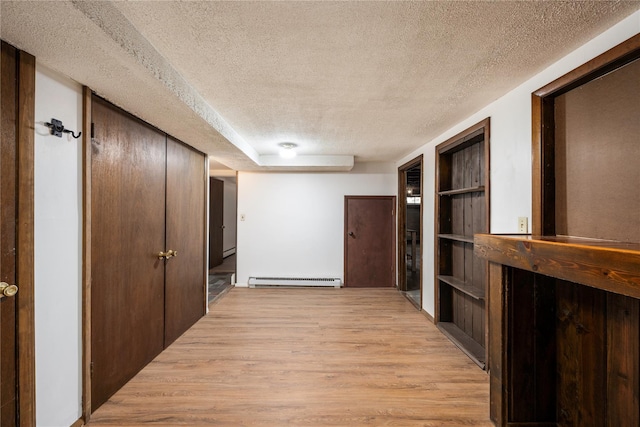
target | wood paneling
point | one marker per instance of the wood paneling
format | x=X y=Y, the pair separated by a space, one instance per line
x=184 y=274
x=623 y=358
x=369 y=241
x=462 y=211
x=581 y=355
x=306 y=357
x=563 y=352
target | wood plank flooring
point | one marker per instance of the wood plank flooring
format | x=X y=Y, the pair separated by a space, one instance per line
x=306 y=357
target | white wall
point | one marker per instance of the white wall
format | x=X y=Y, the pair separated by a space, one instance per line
x=229 y=217
x=58 y=263
x=510 y=148
x=294 y=221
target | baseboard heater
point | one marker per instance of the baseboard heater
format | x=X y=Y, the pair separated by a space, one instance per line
x=294 y=281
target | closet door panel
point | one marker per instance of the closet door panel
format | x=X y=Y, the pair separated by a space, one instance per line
x=128 y=231
x=186 y=215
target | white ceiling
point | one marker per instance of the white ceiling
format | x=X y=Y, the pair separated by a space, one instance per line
x=366 y=80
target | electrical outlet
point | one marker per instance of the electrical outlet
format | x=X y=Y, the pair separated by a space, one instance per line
x=523 y=224
x=241 y=217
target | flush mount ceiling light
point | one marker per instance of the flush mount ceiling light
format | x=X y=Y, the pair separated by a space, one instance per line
x=287 y=150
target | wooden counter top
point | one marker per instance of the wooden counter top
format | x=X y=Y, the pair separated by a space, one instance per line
x=608 y=265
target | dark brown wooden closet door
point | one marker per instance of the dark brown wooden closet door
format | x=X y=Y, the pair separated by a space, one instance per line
x=128 y=223
x=185 y=273
x=8 y=162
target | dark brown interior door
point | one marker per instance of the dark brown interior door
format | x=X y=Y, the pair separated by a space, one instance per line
x=8 y=366
x=17 y=328
x=216 y=206
x=369 y=241
x=184 y=275
x=128 y=223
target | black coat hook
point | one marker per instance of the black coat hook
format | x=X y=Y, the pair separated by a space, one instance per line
x=57 y=129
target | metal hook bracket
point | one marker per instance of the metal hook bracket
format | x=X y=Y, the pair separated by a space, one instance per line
x=57 y=129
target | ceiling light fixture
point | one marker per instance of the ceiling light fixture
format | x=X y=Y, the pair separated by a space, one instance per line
x=287 y=150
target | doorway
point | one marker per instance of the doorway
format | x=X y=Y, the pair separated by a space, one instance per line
x=369 y=241
x=410 y=230
x=222 y=235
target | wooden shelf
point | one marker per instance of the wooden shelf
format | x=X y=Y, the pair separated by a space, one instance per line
x=464 y=342
x=457 y=237
x=462 y=209
x=478 y=189
x=608 y=265
x=462 y=286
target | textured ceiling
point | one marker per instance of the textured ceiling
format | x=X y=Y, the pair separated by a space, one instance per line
x=374 y=80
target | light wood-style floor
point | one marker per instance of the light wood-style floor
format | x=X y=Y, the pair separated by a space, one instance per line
x=306 y=357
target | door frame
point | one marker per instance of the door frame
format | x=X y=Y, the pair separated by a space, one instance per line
x=25 y=272
x=86 y=253
x=345 y=236
x=402 y=221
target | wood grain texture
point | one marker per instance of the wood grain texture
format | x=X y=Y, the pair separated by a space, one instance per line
x=369 y=241
x=561 y=352
x=581 y=355
x=461 y=211
x=623 y=361
x=185 y=280
x=306 y=357
x=86 y=253
x=497 y=352
x=610 y=266
x=8 y=208
x=25 y=238
x=128 y=224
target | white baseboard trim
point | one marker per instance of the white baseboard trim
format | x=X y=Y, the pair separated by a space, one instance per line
x=228 y=252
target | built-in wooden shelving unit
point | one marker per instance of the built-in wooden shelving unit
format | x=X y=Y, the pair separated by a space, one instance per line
x=462 y=211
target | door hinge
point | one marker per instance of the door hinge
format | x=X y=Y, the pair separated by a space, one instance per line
x=93 y=133
x=91 y=370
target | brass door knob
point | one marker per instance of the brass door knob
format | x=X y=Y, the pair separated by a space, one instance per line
x=166 y=255
x=7 y=290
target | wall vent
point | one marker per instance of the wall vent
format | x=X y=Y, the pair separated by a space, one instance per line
x=294 y=281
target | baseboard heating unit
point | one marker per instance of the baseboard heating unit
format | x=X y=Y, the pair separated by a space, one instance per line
x=294 y=281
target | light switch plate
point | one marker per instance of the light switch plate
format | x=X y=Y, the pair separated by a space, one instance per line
x=523 y=224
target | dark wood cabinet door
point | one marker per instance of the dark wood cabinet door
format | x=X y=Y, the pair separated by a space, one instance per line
x=185 y=273
x=128 y=223
x=216 y=216
x=369 y=241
